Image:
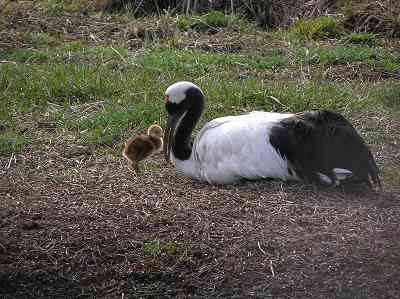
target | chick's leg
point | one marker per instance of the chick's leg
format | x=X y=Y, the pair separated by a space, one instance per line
x=134 y=167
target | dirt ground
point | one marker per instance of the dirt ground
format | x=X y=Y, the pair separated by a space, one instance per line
x=78 y=225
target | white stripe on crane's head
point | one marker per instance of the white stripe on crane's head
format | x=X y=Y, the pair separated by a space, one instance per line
x=176 y=93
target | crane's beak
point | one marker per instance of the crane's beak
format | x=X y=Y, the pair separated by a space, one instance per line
x=169 y=135
x=175 y=114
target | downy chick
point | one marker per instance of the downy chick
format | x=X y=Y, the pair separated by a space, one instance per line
x=142 y=146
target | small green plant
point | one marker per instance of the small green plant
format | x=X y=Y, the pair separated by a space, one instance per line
x=152 y=248
x=184 y=22
x=319 y=28
x=214 y=19
x=170 y=248
x=362 y=38
x=387 y=62
x=155 y=248
x=11 y=142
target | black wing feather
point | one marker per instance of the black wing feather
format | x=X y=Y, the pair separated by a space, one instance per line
x=318 y=141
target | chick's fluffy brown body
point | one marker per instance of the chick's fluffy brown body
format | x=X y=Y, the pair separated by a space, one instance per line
x=142 y=146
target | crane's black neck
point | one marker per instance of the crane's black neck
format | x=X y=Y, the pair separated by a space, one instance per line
x=182 y=144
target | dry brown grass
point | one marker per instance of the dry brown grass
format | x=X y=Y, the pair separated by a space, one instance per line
x=360 y=15
x=267 y=13
x=374 y=16
x=77 y=226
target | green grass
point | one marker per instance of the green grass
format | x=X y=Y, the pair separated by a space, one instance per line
x=26 y=56
x=41 y=39
x=387 y=95
x=197 y=63
x=337 y=55
x=363 y=38
x=318 y=28
x=279 y=96
x=78 y=51
x=26 y=85
x=133 y=96
x=378 y=58
x=387 y=62
x=129 y=97
x=131 y=87
x=68 y=52
x=11 y=142
x=106 y=127
x=215 y=19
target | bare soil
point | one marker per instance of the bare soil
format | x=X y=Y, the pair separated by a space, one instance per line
x=78 y=227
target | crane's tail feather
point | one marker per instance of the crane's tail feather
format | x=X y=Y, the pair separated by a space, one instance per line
x=324 y=147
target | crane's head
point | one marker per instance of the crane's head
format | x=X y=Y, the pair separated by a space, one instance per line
x=179 y=98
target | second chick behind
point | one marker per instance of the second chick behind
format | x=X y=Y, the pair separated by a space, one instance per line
x=142 y=146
